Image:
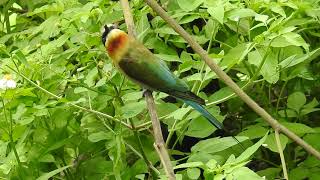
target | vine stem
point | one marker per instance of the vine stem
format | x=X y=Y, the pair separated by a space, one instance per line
x=283 y=161
x=159 y=143
x=228 y=81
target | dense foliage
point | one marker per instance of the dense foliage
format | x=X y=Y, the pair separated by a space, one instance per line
x=270 y=48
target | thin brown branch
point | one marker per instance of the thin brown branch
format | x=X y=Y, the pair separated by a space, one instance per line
x=228 y=81
x=283 y=161
x=159 y=142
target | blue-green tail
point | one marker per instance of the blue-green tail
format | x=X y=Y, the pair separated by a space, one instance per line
x=208 y=116
x=205 y=113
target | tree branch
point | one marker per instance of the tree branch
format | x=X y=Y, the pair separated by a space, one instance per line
x=157 y=133
x=228 y=81
x=283 y=161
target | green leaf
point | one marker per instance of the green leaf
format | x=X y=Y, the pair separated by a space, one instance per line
x=296 y=101
x=130 y=110
x=224 y=93
x=269 y=69
x=254 y=132
x=169 y=58
x=240 y=13
x=91 y=77
x=270 y=173
x=297 y=59
x=217 y=13
x=21 y=57
x=193 y=173
x=95 y=137
x=246 y=173
x=189 y=5
x=298 y=128
x=249 y=151
x=179 y=113
x=236 y=55
x=214 y=145
x=200 y=128
x=275 y=7
x=166 y=30
x=189 y=165
x=290 y=39
x=262 y=18
x=50 y=174
x=271 y=142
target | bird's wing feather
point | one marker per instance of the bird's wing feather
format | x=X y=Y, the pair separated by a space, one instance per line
x=149 y=71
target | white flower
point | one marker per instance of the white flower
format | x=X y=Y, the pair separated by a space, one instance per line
x=7 y=82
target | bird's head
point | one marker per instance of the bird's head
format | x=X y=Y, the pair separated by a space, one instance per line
x=106 y=30
x=114 y=40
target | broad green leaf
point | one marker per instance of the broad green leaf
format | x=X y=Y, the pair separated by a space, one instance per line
x=251 y=150
x=236 y=55
x=217 y=13
x=26 y=120
x=189 y=165
x=298 y=128
x=50 y=174
x=296 y=59
x=246 y=173
x=132 y=96
x=133 y=109
x=262 y=18
x=189 y=5
x=224 y=94
x=271 y=142
x=193 y=173
x=91 y=77
x=21 y=57
x=200 y=128
x=240 y=13
x=269 y=69
x=296 y=101
x=275 y=7
x=179 y=113
x=289 y=39
x=165 y=30
x=270 y=173
x=167 y=57
x=214 y=145
x=78 y=90
x=189 y=18
x=254 y=132
x=95 y=137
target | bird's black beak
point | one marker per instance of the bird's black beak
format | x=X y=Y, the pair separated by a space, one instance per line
x=107 y=30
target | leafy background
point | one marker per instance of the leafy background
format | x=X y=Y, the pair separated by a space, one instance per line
x=270 y=48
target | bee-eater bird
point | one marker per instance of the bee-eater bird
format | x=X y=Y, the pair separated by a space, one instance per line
x=137 y=63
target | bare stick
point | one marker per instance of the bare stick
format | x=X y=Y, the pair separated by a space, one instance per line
x=157 y=133
x=159 y=144
x=283 y=161
x=228 y=81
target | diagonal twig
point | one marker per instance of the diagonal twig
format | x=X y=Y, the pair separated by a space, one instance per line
x=228 y=81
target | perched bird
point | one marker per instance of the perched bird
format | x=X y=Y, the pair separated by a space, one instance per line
x=137 y=63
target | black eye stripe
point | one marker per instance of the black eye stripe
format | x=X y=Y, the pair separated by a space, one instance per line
x=107 y=30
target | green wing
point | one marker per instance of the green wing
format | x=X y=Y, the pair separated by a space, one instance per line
x=140 y=65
